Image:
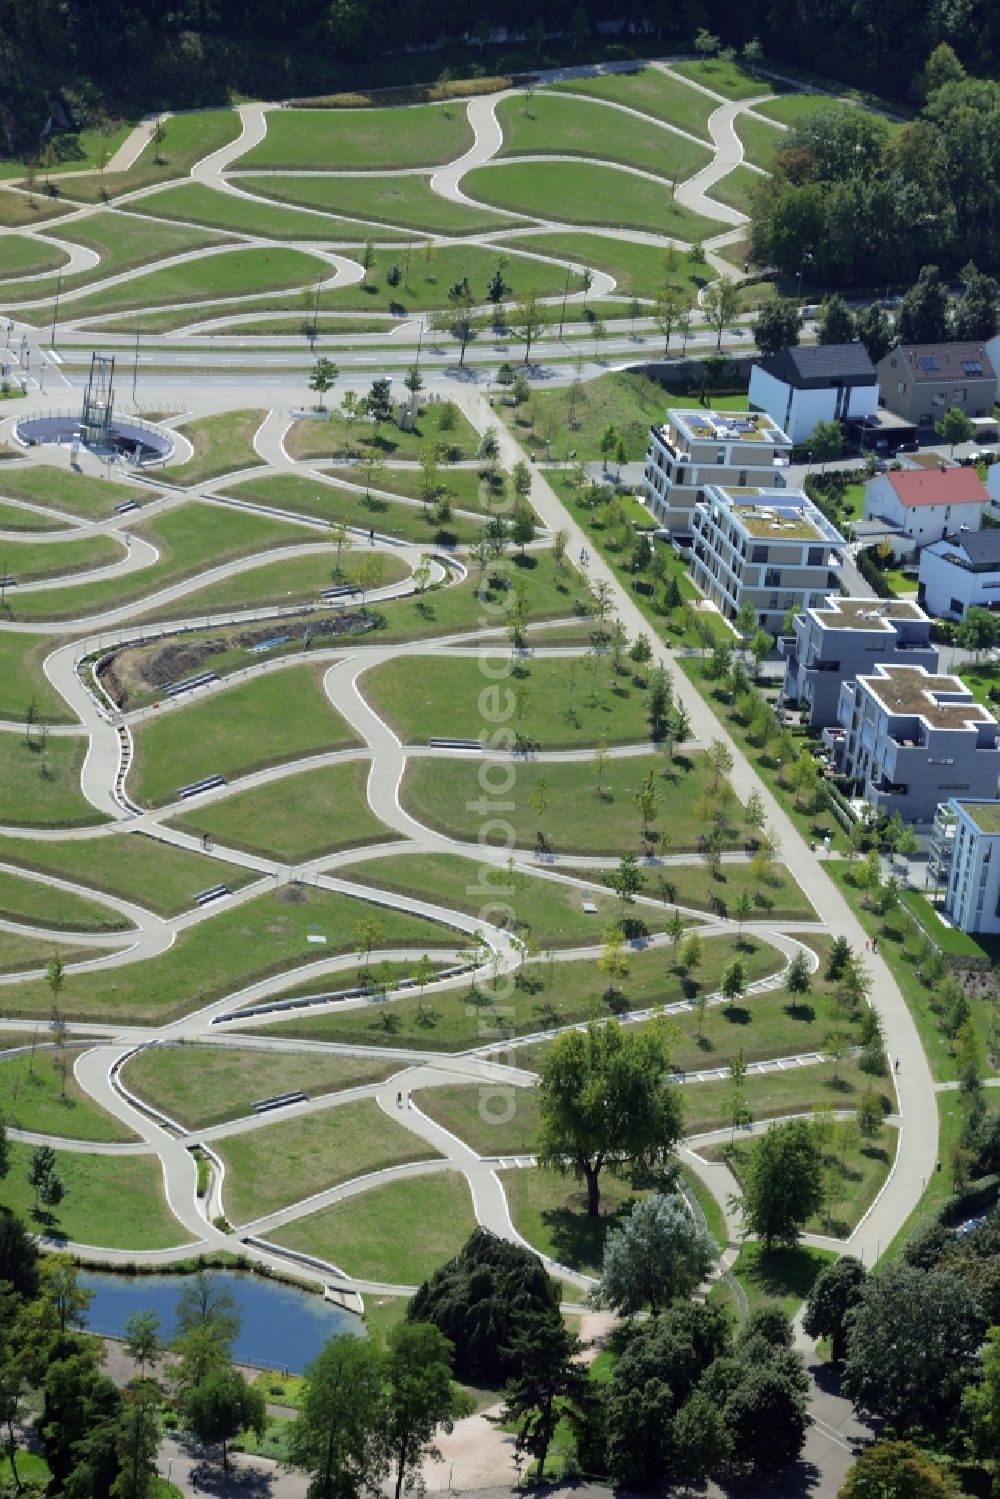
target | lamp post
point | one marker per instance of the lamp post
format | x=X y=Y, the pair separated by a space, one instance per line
x=806 y=255
x=55 y=312
x=562 y=314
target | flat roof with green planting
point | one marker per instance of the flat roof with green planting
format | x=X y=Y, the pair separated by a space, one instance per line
x=727 y=426
x=985 y=815
x=864 y=613
x=772 y=514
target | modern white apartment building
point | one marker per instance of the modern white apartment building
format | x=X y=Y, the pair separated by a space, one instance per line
x=911 y=740
x=839 y=639
x=965 y=856
x=769 y=548
x=695 y=449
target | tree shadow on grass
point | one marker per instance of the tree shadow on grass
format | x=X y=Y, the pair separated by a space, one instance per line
x=577 y=1240
x=737 y=1015
x=784 y=1272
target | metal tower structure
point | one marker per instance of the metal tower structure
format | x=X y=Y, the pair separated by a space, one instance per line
x=98 y=399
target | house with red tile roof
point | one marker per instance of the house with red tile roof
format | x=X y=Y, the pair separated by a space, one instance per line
x=923 y=505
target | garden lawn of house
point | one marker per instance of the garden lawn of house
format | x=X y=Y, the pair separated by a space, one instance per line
x=586 y=193
x=204 y=1085
x=291 y=581
x=549 y=911
x=136 y=866
x=187 y=138
x=421 y=135
x=221 y=444
x=229 y=273
x=759 y=140
x=405 y=202
x=639 y=269
x=399 y=1233
x=565 y=704
x=335 y=438
x=550 y=1211
x=652 y=91
x=297 y=818
x=776 y=898
x=185 y=537
x=32 y=561
x=62 y=489
x=261 y=938
x=565 y=993
x=335 y=502
x=552 y=125
x=280 y=1164
x=111 y=1201
x=576 y=820
x=31 y=1098
x=240 y=729
x=629 y=402
x=33 y=903
x=196 y=203
x=40 y=785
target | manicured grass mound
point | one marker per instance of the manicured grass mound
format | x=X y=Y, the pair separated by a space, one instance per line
x=23 y=682
x=652 y=91
x=279 y=1164
x=40 y=783
x=136 y=866
x=628 y=401
x=759 y=139
x=198 y=204
x=187 y=138
x=778 y=897
x=724 y=77
x=221 y=444
x=205 y=1085
x=33 y=1097
x=638 y=269
x=736 y=187
x=335 y=502
x=33 y=561
x=398 y=1233
x=405 y=202
x=111 y=1201
x=62 y=489
x=232 y=733
x=446 y=427
x=295 y=819
x=552 y=125
x=584 y=193
x=229 y=273
x=34 y=904
x=493 y=1119
x=421 y=135
x=16 y=518
x=577 y=819
x=21 y=255
x=20 y=954
x=775 y=1094
x=550 y=1211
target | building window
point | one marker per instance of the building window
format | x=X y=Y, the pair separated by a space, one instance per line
x=772 y=578
x=815 y=557
x=743 y=476
x=759 y=554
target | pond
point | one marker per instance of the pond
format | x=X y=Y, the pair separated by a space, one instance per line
x=282 y=1326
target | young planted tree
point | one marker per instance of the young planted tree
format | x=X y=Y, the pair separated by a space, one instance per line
x=782 y=1183
x=721 y=304
x=419 y=1398
x=954 y=427
x=527 y=320
x=322 y=379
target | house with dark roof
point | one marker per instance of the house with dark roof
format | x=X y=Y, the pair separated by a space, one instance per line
x=818 y=383
x=921 y=506
x=961 y=571
x=920 y=382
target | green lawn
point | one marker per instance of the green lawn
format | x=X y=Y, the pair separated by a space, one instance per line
x=638 y=269
x=399 y=1233
x=735 y=188
x=783 y=1275
x=779 y=898
x=62 y=489
x=194 y=202
x=421 y=135
x=21 y=255
x=550 y=1212
x=31 y=561
x=221 y=444
x=726 y=78
x=564 y=704
x=187 y=138
x=582 y=193
x=261 y=722
x=445 y=426
x=652 y=91
x=428 y=271
x=291 y=580
x=465 y=487
x=73 y=150
x=33 y=904
x=551 y=124
x=227 y=273
x=12 y=518
x=404 y=202
x=136 y=866
x=40 y=784
x=791 y=108
x=297 y=818
x=262 y=937
x=550 y=912
x=23 y=680
x=333 y=503
x=445 y=793
x=565 y=993
x=18 y=210
x=112 y=1201
x=20 y=954
x=492 y=1119
x=31 y=1098
x=774 y=1094
x=941 y=1184
x=627 y=400
x=187 y=538
x=205 y=1085
x=759 y=139
x=272 y=1167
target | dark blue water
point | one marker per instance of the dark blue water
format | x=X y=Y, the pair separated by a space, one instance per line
x=281 y=1325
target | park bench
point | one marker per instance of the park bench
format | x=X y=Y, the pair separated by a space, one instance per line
x=214 y=892
x=267 y=645
x=186 y=684
x=278 y=1101
x=342 y=590
x=126 y=506
x=456 y=744
x=207 y=783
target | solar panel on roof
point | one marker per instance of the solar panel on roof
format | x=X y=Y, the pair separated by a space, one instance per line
x=972 y=367
x=927 y=363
